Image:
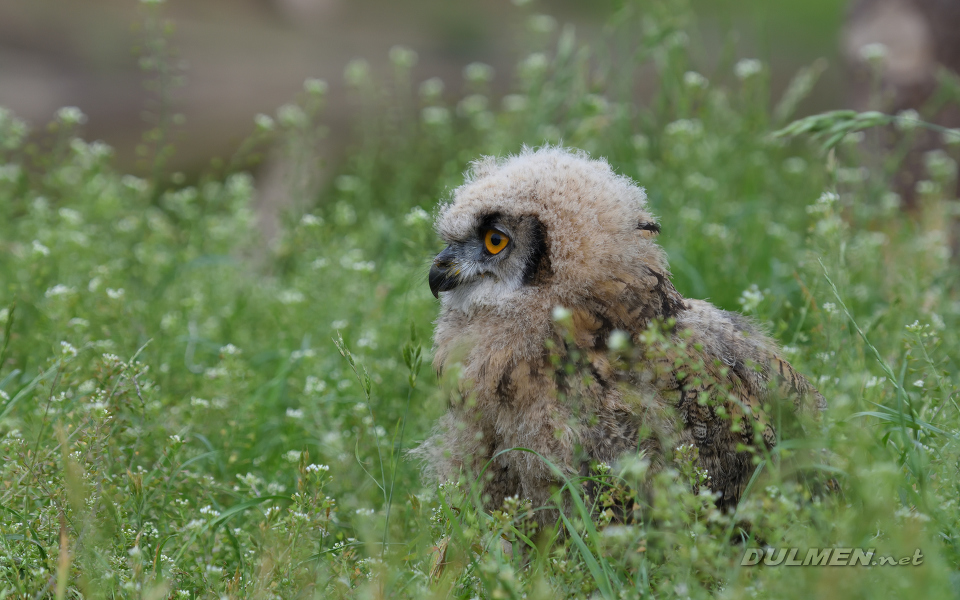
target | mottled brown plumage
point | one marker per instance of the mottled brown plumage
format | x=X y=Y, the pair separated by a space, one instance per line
x=575 y=235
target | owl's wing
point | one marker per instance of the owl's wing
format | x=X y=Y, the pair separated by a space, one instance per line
x=716 y=370
x=793 y=384
x=732 y=377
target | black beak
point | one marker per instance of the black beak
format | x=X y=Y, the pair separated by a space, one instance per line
x=443 y=273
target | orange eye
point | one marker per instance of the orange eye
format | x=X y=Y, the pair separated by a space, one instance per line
x=495 y=241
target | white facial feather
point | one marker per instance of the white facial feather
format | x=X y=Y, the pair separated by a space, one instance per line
x=487 y=291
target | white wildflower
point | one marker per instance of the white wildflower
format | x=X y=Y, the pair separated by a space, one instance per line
x=309 y=220
x=402 y=57
x=70 y=216
x=927 y=187
x=115 y=294
x=58 y=290
x=435 y=115
x=689 y=213
x=291 y=115
x=823 y=203
x=71 y=115
x=250 y=480
x=748 y=67
x=828 y=198
x=431 y=88
x=890 y=202
x=751 y=298
x=619 y=339
x=940 y=165
x=852 y=174
x=514 y=102
x=717 y=230
x=699 y=181
x=264 y=122
x=10 y=173
x=317 y=87
x=295 y=413
x=907 y=120
x=314 y=385
x=951 y=137
x=472 y=105
x=640 y=142
x=478 y=72
x=291 y=296
x=356 y=72
x=684 y=127
x=907 y=513
x=937 y=322
x=875 y=52
x=366 y=266
x=692 y=79
x=135 y=183
x=303 y=353
x=416 y=216
x=229 y=350
x=534 y=64
x=39 y=248
x=215 y=372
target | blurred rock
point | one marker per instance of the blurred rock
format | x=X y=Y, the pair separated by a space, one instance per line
x=908 y=45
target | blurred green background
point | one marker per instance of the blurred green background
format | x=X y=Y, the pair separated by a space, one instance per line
x=243 y=57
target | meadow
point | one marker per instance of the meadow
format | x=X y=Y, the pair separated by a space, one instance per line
x=190 y=411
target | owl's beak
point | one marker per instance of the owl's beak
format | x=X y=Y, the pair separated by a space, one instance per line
x=443 y=273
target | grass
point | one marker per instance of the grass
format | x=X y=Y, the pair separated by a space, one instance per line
x=189 y=412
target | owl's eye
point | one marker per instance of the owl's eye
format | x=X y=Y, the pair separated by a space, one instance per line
x=495 y=241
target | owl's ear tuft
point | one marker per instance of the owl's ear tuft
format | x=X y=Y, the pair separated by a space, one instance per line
x=650 y=226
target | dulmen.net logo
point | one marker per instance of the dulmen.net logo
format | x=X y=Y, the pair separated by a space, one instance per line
x=825 y=557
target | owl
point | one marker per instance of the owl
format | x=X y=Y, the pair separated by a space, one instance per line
x=567 y=338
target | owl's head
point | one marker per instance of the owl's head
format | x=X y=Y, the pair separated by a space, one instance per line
x=550 y=223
